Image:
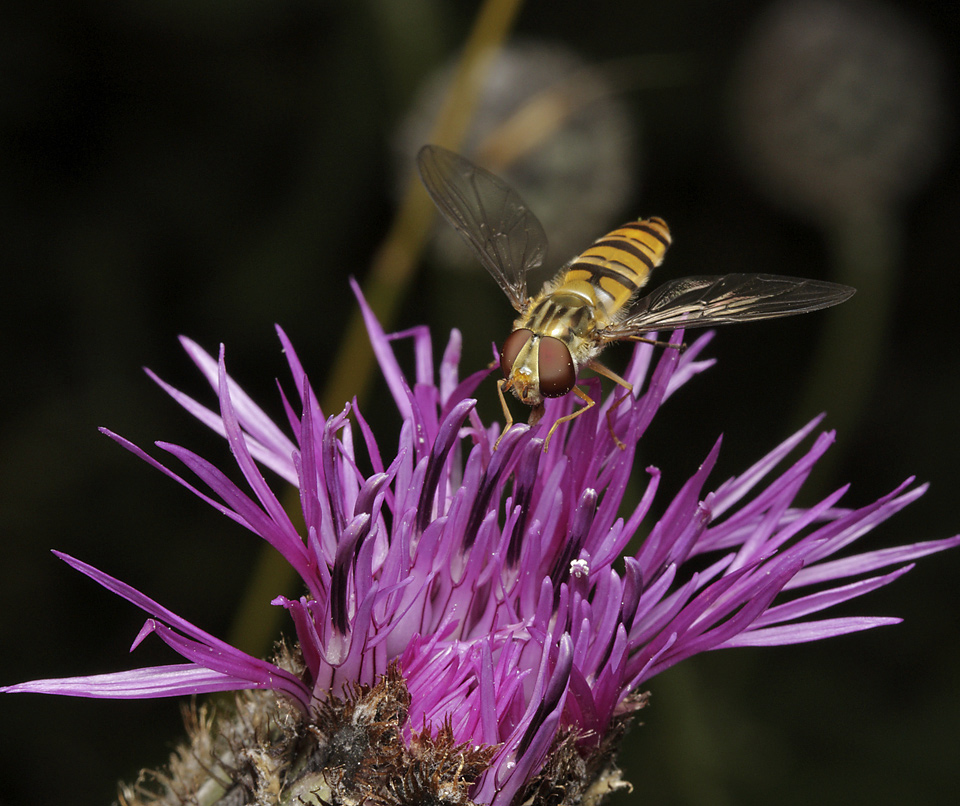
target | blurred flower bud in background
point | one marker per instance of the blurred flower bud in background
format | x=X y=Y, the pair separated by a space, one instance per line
x=838 y=105
x=555 y=129
x=840 y=117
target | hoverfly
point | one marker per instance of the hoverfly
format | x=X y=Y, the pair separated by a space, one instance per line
x=592 y=301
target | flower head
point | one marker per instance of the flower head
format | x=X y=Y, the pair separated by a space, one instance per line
x=485 y=594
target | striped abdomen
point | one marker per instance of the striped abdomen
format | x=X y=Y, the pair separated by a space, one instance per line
x=618 y=264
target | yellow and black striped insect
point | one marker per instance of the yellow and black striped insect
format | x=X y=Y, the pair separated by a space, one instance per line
x=593 y=300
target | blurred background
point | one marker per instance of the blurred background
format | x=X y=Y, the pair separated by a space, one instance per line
x=211 y=169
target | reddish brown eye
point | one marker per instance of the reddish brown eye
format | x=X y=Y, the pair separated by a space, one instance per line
x=511 y=349
x=557 y=373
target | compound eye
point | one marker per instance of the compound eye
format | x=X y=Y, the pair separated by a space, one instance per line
x=557 y=373
x=511 y=349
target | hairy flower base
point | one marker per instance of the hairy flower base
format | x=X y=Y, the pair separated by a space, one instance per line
x=497 y=580
x=363 y=758
x=240 y=754
x=353 y=751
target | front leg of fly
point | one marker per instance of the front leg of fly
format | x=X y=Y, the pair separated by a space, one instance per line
x=606 y=372
x=502 y=384
x=590 y=403
x=536 y=413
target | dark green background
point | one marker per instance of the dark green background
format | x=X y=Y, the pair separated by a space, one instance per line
x=213 y=168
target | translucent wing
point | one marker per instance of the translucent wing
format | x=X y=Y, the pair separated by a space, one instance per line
x=489 y=215
x=707 y=301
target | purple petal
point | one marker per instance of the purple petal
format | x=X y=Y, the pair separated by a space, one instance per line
x=152 y=681
x=807 y=631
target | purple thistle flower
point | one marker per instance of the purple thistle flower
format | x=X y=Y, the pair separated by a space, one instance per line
x=491 y=581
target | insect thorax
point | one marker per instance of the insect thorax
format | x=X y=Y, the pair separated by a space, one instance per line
x=563 y=316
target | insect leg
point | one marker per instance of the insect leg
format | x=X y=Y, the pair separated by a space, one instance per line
x=507 y=416
x=567 y=418
x=655 y=342
x=600 y=369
